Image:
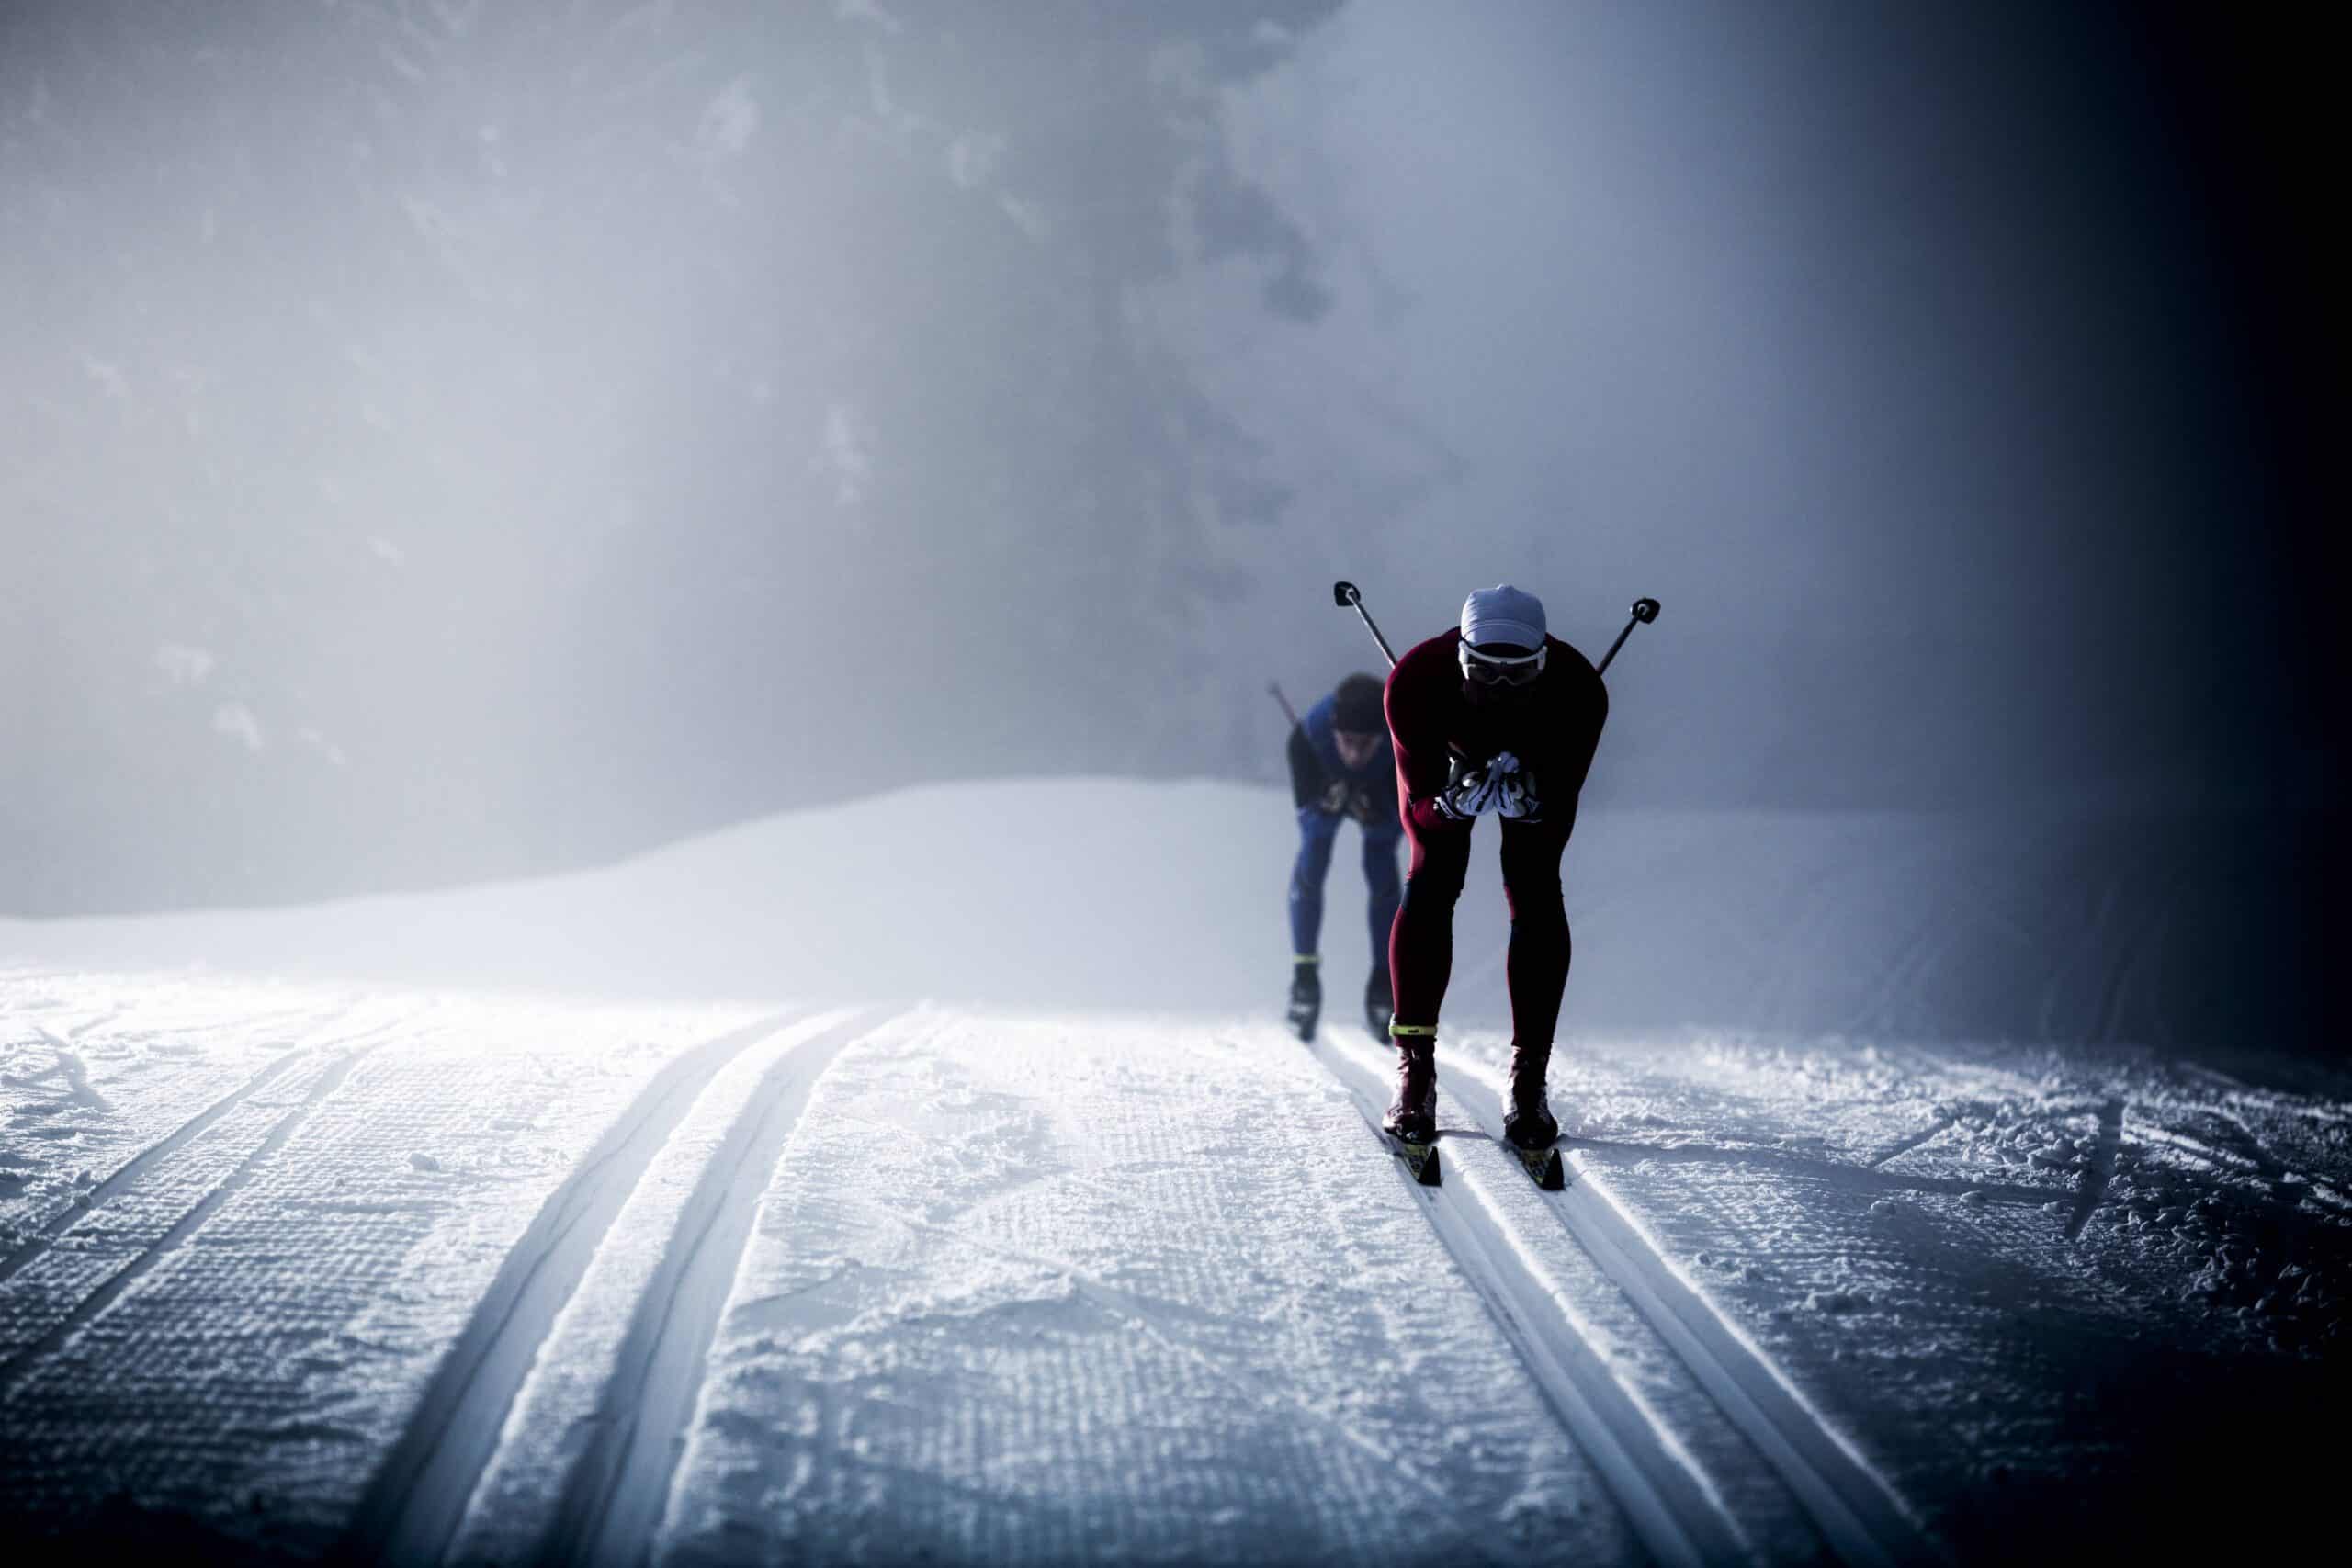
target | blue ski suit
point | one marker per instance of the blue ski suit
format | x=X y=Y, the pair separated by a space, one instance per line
x=1327 y=793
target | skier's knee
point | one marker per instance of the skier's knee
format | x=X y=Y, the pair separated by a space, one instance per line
x=1434 y=887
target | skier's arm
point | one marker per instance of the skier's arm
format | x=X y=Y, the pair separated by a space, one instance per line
x=1308 y=786
x=1421 y=761
x=1587 y=734
x=1562 y=781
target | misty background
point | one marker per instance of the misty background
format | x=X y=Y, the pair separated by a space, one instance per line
x=443 y=441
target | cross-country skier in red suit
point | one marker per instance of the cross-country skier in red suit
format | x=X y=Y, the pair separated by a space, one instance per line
x=1494 y=717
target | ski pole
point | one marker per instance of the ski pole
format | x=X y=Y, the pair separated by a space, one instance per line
x=1274 y=689
x=1347 y=597
x=1645 y=612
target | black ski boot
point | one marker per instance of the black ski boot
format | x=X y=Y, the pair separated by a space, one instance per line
x=1414 y=1116
x=1379 y=1005
x=1528 y=1123
x=1305 y=997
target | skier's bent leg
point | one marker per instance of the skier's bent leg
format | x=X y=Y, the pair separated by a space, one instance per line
x=1537 y=966
x=1421 y=942
x=1537 y=963
x=1383 y=890
x=1317 y=832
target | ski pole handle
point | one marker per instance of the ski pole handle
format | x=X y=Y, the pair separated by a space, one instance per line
x=1274 y=689
x=1645 y=612
x=1348 y=596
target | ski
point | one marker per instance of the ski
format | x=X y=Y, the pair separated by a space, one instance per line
x=1542 y=1166
x=1420 y=1159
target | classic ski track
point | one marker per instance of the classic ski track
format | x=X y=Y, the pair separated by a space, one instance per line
x=128 y=1174
x=1672 y=1507
x=618 y=1491
x=2101 y=1169
x=1858 y=1514
x=69 y=1068
x=1905 y=1144
x=413 y=1506
x=2288 y=1187
x=28 y=1360
x=2281 y=1177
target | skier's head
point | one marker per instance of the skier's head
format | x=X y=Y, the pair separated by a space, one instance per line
x=1359 y=720
x=1502 y=644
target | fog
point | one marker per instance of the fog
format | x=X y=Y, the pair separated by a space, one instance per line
x=445 y=441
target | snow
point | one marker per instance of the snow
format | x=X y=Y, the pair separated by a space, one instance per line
x=904 y=1178
x=1873 y=927
x=1053 y=1320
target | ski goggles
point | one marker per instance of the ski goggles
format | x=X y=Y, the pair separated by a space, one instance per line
x=1499 y=670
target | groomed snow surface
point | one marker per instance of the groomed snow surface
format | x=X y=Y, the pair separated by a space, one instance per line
x=902 y=1182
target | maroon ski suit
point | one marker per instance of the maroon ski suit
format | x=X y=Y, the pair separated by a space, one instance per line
x=1552 y=727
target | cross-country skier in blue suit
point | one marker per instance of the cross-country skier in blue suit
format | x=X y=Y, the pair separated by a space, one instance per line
x=1341 y=765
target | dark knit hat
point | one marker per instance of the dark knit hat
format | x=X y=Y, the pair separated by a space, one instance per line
x=1356 y=705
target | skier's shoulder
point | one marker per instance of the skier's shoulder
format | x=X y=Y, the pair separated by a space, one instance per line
x=1577 y=680
x=1561 y=655
x=1423 y=684
x=1426 y=662
x=1319 y=718
x=1566 y=662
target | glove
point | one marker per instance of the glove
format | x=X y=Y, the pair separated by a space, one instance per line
x=1519 y=799
x=1473 y=792
x=1362 y=808
x=1335 y=798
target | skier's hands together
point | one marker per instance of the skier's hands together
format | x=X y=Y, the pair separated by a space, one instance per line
x=1473 y=792
x=1518 y=798
x=1361 y=806
x=1334 y=799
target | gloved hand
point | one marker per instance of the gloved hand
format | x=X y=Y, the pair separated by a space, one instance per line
x=1334 y=799
x=1473 y=792
x=1361 y=806
x=1520 y=800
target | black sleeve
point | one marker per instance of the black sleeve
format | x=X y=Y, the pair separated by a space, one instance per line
x=1306 y=781
x=1579 y=738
